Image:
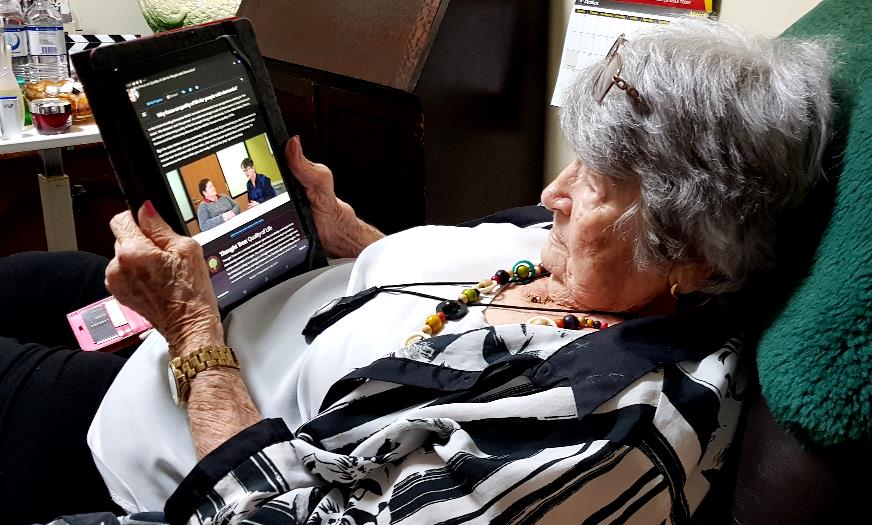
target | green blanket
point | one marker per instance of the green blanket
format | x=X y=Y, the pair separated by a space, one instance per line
x=815 y=358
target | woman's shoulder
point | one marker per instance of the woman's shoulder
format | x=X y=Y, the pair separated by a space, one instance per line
x=485 y=236
x=446 y=253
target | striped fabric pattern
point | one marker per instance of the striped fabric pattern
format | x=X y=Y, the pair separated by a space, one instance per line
x=469 y=429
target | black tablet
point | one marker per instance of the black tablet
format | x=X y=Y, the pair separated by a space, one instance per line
x=190 y=121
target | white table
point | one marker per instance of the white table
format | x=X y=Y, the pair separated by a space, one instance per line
x=54 y=186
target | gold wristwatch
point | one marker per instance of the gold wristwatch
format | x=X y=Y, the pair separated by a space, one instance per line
x=183 y=370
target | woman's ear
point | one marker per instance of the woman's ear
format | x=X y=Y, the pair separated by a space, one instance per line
x=687 y=277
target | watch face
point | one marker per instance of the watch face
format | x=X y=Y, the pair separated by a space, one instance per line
x=174 y=389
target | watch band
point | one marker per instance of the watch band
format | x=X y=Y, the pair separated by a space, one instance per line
x=182 y=370
x=204 y=358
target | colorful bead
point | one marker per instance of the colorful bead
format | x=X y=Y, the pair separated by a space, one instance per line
x=524 y=270
x=571 y=322
x=415 y=337
x=490 y=287
x=471 y=295
x=542 y=320
x=434 y=322
x=453 y=310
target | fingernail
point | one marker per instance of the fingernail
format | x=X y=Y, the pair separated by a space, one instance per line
x=149 y=209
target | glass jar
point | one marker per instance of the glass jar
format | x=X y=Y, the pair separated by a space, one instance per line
x=64 y=89
x=51 y=115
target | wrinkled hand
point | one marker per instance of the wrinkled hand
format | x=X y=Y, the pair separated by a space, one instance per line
x=341 y=232
x=163 y=277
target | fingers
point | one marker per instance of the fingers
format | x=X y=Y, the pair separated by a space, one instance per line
x=119 y=273
x=163 y=236
x=154 y=227
x=294 y=153
x=124 y=228
x=113 y=276
x=111 y=273
x=190 y=248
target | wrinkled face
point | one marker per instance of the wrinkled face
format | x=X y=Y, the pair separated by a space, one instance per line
x=250 y=173
x=591 y=259
x=210 y=194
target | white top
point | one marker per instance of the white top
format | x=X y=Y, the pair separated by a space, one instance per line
x=140 y=439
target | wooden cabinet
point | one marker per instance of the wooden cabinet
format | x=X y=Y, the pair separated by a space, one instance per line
x=427 y=111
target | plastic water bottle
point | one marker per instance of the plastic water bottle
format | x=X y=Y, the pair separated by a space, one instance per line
x=11 y=101
x=45 y=40
x=15 y=35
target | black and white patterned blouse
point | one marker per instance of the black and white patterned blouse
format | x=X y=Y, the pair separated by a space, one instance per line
x=509 y=424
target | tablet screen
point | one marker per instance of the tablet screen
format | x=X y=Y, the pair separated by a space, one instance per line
x=208 y=134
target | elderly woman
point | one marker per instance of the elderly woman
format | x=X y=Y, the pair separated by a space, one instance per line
x=214 y=209
x=596 y=384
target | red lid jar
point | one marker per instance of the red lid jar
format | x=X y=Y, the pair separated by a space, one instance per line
x=51 y=115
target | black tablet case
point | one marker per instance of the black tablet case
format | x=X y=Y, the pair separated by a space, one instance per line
x=135 y=166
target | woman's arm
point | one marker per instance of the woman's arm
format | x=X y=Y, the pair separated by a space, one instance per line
x=342 y=232
x=233 y=205
x=206 y=219
x=219 y=407
x=268 y=191
x=163 y=277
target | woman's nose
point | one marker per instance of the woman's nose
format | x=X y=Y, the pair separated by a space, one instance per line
x=555 y=196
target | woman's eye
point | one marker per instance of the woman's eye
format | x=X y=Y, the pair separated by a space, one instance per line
x=585 y=183
x=594 y=183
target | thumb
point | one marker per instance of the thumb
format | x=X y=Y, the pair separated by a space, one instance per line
x=154 y=227
x=312 y=176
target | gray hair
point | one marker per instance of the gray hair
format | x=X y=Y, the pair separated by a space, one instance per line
x=730 y=133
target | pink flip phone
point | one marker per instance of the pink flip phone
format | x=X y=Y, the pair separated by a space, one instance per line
x=106 y=325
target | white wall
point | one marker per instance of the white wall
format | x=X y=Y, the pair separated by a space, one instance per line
x=119 y=17
x=769 y=17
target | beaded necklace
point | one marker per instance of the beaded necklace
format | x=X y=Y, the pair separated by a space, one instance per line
x=522 y=272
